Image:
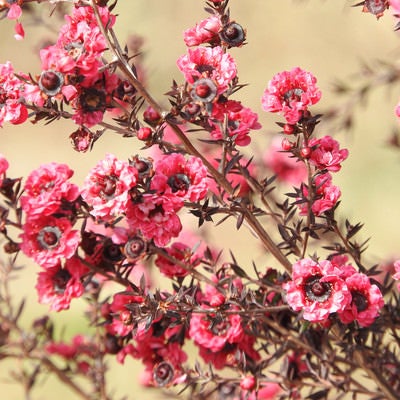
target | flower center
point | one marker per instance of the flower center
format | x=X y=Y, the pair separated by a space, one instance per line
x=360 y=301
x=92 y=100
x=293 y=95
x=50 y=82
x=60 y=280
x=134 y=247
x=107 y=186
x=179 y=182
x=316 y=290
x=49 y=237
x=163 y=373
x=204 y=90
x=233 y=34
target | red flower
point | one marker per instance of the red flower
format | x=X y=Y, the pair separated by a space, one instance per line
x=326 y=153
x=155 y=216
x=317 y=289
x=291 y=92
x=58 y=286
x=240 y=121
x=46 y=188
x=106 y=188
x=366 y=301
x=205 y=31
x=208 y=62
x=177 y=176
x=11 y=92
x=48 y=240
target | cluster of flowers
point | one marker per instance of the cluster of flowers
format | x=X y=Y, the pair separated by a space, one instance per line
x=211 y=76
x=127 y=211
x=73 y=73
x=142 y=199
x=320 y=289
x=291 y=93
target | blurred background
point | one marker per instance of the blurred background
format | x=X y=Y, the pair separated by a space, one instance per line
x=328 y=38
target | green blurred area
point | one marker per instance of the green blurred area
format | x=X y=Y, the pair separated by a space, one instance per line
x=328 y=38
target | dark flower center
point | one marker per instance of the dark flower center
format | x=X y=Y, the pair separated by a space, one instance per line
x=233 y=34
x=316 y=290
x=49 y=237
x=204 y=90
x=51 y=82
x=293 y=95
x=179 y=182
x=134 y=247
x=108 y=186
x=163 y=373
x=156 y=211
x=93 y=100
x=60 y=280
x=360 y=301
x=143 y=165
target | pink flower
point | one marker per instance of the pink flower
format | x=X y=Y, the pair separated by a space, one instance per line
x=175 y=175
x=240 y=121
x=11 y=95
x=155 y=216
x=205 y=31
x=326 y=195
x=208 y=62
x=57 y=286
x=366 y=301
x=48 y=240
x=228 y=331
x=326 y=153
x=317 y=289
x=290 y=93
x=46 y=189
x=287 y=168
x=106 y=188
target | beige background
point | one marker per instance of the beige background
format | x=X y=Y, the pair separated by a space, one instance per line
x=328 y=38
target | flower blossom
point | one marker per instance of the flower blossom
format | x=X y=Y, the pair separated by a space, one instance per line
x=47 y=188
x=57 y=286
x=210 y=63
x=326 y=153
x=205 y=31
x=366 y=300
x=178 y=176
x=12 y=108
x=326 y=195
x=240 y=121
x=48 y=240
x=155 y=216
x=290 y=93
x=106 y=188
x=317 y=289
